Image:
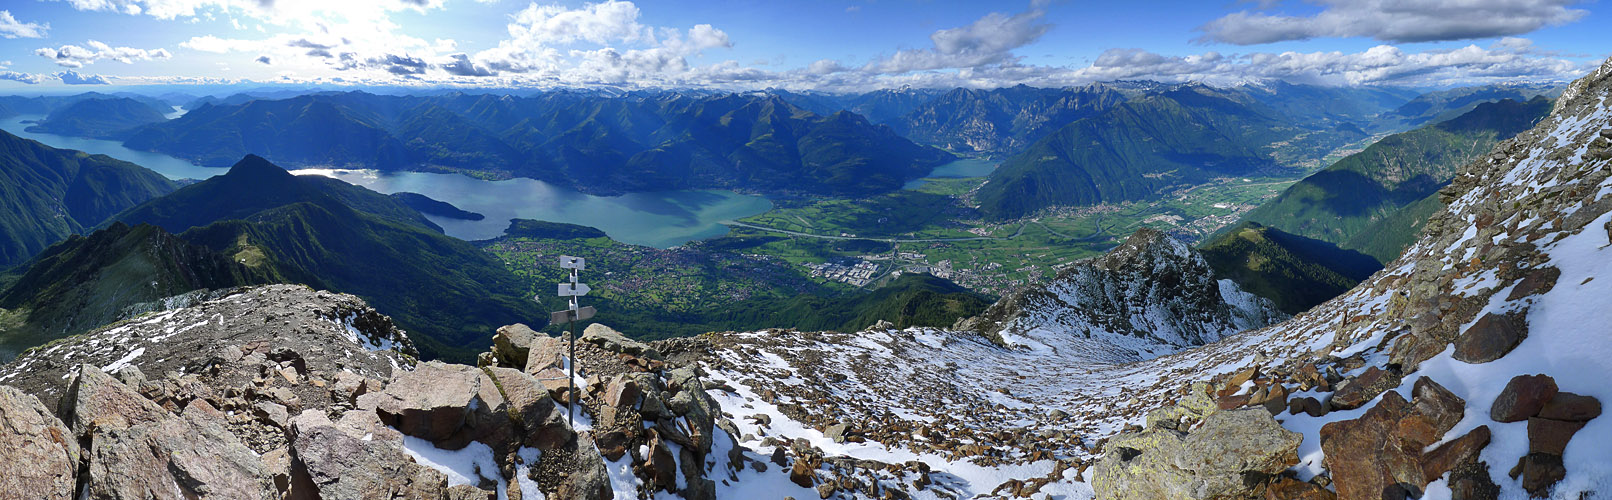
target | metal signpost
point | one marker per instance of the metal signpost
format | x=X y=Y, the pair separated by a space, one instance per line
x=572 y=315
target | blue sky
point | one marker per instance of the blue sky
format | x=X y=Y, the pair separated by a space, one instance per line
x=836 y=45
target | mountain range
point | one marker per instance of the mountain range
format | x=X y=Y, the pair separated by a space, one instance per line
x=51 y=193
x=594 y=144
x=1136 y=151
x=99 y=118
x=331 y=235
x=1353 y=202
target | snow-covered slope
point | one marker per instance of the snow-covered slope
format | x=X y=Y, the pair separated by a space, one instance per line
x=1150 y=296
x=988 y=415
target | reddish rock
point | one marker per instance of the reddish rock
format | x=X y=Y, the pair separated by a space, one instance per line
x=1312 y=406
x=1550 y=436
x=1571 y=407
x=1292 y=489
x=1237 y=379
x=1449 y=455
x=1380 y=453
x=662 y=467
x=1540 y=471
x=1491 y=338
x=1536 y=282
x=1523 y=397
x=1233 y=402
x=1443 y=408
x=1366 y=458
x=1373 y=382
x=802 y=473
x=1276 y=399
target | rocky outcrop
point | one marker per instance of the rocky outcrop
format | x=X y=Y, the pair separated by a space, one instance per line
x=1553 y=417
x=1150 y=296
x=1193 y=450
x=1380 y=454
x=37 y=452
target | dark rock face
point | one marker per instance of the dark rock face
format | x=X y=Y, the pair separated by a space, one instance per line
x=1380 y=454
x=1523 y=397
x=1492 y=337
x=1535 y=282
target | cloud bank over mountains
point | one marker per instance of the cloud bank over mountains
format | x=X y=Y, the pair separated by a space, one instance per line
x=610 y=43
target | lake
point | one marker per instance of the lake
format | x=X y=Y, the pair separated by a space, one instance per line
x=660 y=219
x=966 y=167
x=169 y=166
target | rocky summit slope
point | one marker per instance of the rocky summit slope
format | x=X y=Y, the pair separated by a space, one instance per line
x=1150 y=296
x=1470 y=367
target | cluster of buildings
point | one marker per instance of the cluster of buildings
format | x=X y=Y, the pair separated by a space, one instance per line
x=859 y=274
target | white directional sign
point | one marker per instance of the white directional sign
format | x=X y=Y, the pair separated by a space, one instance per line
x=569 y=262
x=574 y=289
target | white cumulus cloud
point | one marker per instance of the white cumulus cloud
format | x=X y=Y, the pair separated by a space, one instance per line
x=1398 y=21
x=989 y=40
x=74 y=56
x=10 y=27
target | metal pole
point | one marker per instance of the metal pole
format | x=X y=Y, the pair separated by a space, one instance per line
x=571 y=378
x=575 y=313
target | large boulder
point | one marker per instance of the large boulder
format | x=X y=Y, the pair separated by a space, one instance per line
x=1381 y=454
x=613 y=341
x=540 y=423
x=512 y=344
x=37 y=452
x=1225 y=457
x=1490 y=338
x=190 y=456
x=432 y=402
x=329 y=462
x=1524 y=396
x=95 y=400
x=546 y=354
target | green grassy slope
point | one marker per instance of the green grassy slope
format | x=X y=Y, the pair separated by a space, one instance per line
x=1338 y=203
x=88 y=281
x=1295 y=272
x=50 y=193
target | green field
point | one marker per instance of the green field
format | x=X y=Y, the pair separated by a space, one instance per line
x=989 y=257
